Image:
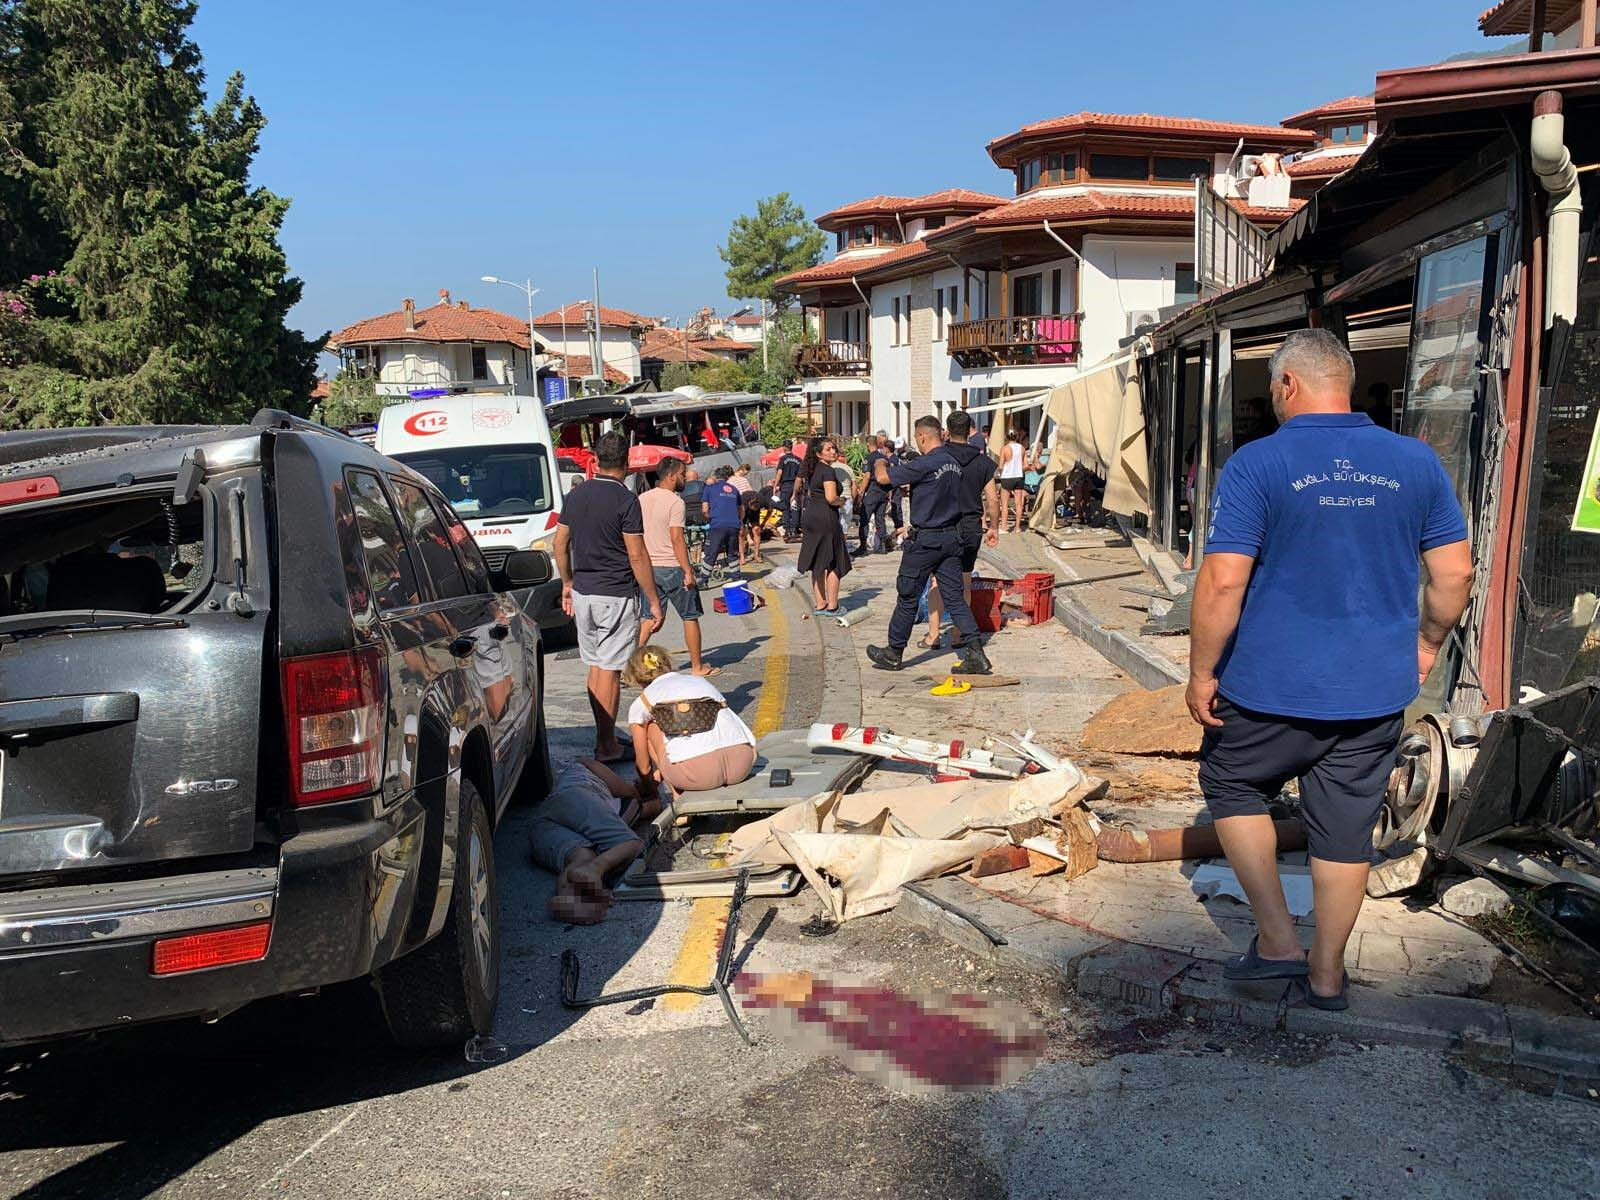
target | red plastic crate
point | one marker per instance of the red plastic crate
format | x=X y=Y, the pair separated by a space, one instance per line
x=986 y=595
x=1036 y=591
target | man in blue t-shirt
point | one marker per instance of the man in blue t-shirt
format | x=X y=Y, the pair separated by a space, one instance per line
x=722 y=518
x=1306 y=644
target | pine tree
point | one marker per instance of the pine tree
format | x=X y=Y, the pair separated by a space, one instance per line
x=775 y=240
x=169 y=304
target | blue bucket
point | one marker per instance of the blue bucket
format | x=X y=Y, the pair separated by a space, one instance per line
x=738 y=599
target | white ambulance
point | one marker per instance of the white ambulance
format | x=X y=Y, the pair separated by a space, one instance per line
x=493 y=459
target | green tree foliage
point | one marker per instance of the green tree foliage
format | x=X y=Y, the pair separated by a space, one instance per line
x=775 y=241
x=676 y=375
x=170 y=288
x=351 y=401
x=722 y=376
x=780 y=425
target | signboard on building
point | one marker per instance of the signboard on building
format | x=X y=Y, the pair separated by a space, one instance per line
x=555 y=388
x=1228 y=250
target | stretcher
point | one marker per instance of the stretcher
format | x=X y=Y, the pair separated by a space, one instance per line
x=954 y=758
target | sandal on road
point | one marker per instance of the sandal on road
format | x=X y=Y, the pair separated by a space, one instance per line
x=1250 y=965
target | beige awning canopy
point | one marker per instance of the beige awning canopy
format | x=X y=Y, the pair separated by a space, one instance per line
x=1099 y=422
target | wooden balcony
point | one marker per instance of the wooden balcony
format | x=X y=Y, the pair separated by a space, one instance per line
x=830 y=360
x=1013 y=341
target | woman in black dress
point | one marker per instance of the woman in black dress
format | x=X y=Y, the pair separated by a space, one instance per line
x=822 y=545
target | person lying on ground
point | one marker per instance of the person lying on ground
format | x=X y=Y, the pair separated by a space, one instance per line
x=581 y=834
x=684 y=733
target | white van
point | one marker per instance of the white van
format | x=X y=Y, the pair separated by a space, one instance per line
x=492 y=457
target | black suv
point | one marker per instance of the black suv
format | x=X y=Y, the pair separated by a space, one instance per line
x=261 y=705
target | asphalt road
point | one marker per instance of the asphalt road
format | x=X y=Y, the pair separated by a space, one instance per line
x=304 y=1098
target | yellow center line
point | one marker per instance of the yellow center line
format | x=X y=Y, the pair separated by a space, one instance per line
x=697 y=955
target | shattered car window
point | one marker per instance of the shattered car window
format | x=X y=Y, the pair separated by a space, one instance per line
x=140 y=554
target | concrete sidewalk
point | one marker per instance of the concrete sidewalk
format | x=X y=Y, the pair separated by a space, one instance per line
x=1139 y=933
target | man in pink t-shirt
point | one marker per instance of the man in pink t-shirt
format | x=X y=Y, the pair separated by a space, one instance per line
x=663 y=512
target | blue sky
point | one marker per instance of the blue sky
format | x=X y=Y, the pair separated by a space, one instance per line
x=426 y=144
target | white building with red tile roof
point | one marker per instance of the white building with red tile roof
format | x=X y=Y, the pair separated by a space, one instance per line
x=449 y=345
x=951 y=300
x=566 y=331
x=1344 y=129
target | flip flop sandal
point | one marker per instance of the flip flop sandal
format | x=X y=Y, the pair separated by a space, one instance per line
x=1301 y=989
x=1250 y=965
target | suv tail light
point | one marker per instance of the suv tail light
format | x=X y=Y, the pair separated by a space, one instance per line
x=334 y=707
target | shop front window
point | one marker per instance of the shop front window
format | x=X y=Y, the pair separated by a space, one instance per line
x=1559 y=640
x=1442 y=377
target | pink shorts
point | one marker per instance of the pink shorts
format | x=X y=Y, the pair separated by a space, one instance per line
x=706 y=772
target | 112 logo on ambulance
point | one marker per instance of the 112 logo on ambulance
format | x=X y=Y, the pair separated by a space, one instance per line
x=428 y=421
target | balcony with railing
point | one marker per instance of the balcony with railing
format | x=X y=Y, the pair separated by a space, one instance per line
x=1016 y=341
x=831 y=360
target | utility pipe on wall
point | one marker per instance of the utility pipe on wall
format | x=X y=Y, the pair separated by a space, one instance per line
x=1552 y=163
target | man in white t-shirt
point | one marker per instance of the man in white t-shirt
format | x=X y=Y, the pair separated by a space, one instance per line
x=664 y=542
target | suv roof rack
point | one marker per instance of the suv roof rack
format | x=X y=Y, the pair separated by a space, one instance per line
x=277 y=418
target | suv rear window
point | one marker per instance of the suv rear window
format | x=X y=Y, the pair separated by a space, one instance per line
x=431 y=540
x=390 y=576
x=140 y=554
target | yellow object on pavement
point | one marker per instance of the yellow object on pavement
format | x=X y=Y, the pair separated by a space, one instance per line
x=949 y=687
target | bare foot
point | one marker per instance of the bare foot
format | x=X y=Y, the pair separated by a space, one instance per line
x=705 y=669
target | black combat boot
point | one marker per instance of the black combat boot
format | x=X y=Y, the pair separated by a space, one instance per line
x=885 y=658
x=973 y=660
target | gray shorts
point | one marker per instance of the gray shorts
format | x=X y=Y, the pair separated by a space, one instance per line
x=671 y=587
x=576 y=813
x=608 y=629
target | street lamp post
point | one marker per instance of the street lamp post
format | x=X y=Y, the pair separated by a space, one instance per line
x=529 y=291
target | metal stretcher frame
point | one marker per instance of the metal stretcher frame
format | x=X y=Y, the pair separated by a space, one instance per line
x=640 y=883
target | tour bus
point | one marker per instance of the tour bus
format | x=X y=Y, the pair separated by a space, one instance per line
x=492 y=457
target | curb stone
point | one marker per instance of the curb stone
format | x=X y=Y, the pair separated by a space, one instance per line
x=1156 y=980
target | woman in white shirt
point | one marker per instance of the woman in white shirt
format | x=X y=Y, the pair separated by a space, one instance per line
x=1011 y=480
x=684 y=733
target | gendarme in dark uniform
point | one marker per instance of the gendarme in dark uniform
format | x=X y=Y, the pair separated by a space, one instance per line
x=935 y=549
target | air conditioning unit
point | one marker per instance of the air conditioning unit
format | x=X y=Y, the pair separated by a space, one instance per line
x=1143 y=318
x=1269 y=191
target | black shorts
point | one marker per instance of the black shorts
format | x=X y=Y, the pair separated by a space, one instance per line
x=1011 y=485
x=1343 y=768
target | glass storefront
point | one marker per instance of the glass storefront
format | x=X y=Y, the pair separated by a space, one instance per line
x=1558 y=640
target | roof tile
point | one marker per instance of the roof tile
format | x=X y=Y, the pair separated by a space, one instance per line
x=441 y=323
x=1320 y=168
x=1334 y=108
x=843 y=268
x=1094 y=204
x=1150 y=123
x=950 y=199
x=579 y=366
x=577 y=313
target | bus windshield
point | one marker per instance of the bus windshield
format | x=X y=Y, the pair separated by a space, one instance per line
x=487 y=481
